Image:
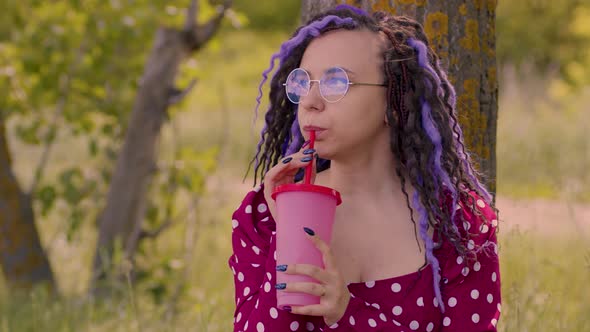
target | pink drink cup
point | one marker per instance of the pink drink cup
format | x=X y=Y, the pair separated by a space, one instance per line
x=298 y=206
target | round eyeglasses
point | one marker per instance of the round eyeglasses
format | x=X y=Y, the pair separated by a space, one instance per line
x=333 y=84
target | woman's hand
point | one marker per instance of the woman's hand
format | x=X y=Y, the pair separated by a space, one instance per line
x=284 y=172
x=333 y=291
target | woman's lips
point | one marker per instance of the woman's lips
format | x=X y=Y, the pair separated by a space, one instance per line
x=318 y=131
x=314 y=128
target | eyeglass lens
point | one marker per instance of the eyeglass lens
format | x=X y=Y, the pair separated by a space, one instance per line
x=333 y=84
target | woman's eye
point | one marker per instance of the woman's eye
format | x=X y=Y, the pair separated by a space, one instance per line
x=336 y=83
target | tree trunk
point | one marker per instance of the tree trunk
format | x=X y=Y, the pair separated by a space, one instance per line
x=121 y=220
x=23 y=259
x=463 y=34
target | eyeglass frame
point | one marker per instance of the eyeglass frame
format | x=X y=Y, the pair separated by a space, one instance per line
x=319 y=83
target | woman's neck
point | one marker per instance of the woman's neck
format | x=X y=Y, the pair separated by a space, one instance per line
x=368 y=173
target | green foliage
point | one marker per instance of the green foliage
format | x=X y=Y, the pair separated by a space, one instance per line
x=69 y=73
x=547 y=35
x=183 y=179
x=46 y=195
x=543 y=148
x=270 y=14
x=70 y=68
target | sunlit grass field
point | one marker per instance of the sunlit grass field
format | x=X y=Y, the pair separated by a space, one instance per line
x=544 y=288
x=542 y=152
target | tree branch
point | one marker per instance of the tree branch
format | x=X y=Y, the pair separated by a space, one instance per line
x=156 y=232
x=191 y=15
x=176 y=95
x=192 y=224
x=195 y=36
x=59 y=109
x=172 y=188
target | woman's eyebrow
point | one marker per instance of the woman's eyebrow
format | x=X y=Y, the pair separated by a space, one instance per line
x=348 y=71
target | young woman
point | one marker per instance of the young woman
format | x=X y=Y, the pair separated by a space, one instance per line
x=414 y=241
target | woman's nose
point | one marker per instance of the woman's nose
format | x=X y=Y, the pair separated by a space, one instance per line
x=314 y=99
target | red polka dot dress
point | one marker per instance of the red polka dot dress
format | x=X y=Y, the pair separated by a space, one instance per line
x=470 y=289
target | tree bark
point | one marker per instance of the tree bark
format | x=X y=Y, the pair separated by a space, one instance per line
x=22 y=257
x=463 y=34
x=121 y=220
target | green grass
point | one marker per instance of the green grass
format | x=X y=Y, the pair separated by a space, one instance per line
x=543 y=148
x=541 y=153
x=544 y=283
x=543 y=288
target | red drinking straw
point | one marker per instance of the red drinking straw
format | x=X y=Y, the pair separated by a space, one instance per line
x=308 y=168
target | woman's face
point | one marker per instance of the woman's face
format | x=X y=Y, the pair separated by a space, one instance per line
x=357 y=120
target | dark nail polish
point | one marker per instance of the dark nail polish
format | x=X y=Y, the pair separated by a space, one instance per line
x=287 y=308
x=309 y=151
x=306 y=159
x=305 y=144
x=309 y=231
x=286 y=160
x=282 y=268
x=281 y=286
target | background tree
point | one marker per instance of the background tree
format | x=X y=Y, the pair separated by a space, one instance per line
x=463 y=34
x=125 y=210
x=22 y=258
x=69 y=72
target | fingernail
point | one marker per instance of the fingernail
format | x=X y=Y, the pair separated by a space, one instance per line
x=305 y=144
x=309 y=231
x=309 y=151
x=286 y=160
x=287 y=308
x=282 y=268
x=306 y=159
x=281 y=286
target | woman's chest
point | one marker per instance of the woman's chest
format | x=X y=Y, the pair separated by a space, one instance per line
x=408 y=300
x=368 y=245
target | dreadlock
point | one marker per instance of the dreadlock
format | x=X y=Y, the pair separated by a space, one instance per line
x=425 y=136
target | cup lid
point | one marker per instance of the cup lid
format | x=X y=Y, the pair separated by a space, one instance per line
x=307 y=188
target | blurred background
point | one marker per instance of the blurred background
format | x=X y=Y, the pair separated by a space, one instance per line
x=69 y=74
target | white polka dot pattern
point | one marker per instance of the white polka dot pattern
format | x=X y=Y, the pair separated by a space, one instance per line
x=260 y=327
x=429 y=327
x=446 y=321
x=420 y=301
x=262 y=208
x=452 y=302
